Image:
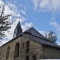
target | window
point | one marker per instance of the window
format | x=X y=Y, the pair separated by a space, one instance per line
x=8 y=50
x=27 y=57
x=16 y=54
x=15 y=32
x=0 y=53
x=34 y=57
x=23 y=45
x=27 y=46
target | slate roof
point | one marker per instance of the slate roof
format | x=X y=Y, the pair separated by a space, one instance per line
x=34 y=32
x=37 y=37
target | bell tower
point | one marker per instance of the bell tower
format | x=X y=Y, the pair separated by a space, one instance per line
x=18 y=30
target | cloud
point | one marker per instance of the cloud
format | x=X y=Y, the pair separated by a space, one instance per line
x=42 y=32
x=27 y=25
x=46 y=5
x=1 y=2
x=13 y=11
x=3 y=42
x=23 y=12
x=58 y=44
x=55 y=24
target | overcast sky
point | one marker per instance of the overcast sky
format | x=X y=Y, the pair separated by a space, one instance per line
x=43 y=15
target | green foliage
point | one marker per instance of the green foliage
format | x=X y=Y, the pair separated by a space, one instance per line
x=4 y=23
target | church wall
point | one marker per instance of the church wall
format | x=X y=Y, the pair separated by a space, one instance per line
x=12 y=49
x=34 y=49
x=51 y=53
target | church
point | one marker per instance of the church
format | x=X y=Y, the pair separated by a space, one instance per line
x=29 y=45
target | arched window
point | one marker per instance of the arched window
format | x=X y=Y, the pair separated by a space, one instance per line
x=27 y=47
x=0 y=53
x=34 y=57
x=8 y=50
x=16 y=54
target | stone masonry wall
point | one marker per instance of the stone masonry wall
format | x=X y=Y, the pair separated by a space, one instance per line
x=34 y=49
x=51 y=52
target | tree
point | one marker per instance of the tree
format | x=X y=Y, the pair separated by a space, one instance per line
x=4 y=22
x=51 y=36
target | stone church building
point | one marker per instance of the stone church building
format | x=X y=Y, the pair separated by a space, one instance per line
x=29 y=45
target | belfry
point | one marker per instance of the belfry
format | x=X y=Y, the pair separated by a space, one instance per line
x=18 y=30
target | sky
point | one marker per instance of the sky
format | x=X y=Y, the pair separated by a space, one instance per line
x=43 y=15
